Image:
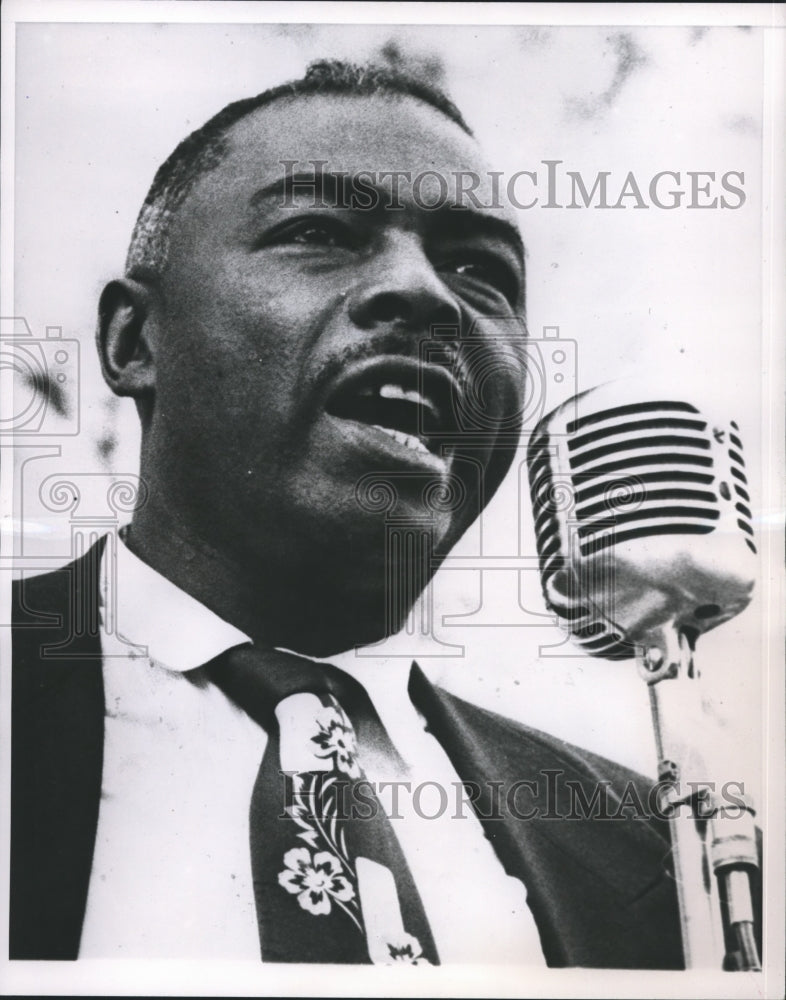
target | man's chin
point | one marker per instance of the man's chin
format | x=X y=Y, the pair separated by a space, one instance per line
x=327 y=634
x=341 y=568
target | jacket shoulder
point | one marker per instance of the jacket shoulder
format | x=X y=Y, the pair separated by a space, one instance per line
x=55 y=615
x=57 y=711
x=510 y=736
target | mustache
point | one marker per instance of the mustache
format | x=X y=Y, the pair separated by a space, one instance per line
x=396 y=342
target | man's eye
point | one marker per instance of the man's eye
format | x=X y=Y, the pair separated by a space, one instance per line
x=474 y=269
x=317 y=233
x=489 y=271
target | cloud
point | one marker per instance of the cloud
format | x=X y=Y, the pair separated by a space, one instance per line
x=697 y=33
x=745 y=124
x=629 y=57
x=427 y=66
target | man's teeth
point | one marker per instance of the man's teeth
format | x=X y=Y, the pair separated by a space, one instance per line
x=390 y=390
x=408 y=440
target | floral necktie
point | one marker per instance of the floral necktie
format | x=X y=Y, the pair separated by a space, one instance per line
x=330 y=880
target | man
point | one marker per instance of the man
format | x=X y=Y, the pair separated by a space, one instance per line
x=289 y=334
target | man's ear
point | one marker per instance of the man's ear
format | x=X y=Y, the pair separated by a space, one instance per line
x=124 y=338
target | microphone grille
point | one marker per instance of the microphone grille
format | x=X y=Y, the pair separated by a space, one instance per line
x=615 y=490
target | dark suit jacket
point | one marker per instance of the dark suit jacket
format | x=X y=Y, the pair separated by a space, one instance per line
x=601 y=890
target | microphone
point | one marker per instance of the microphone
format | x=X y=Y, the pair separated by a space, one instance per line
x=644 y=535
x=642 y=518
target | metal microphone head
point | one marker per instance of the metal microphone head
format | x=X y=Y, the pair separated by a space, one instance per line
x=642 y=518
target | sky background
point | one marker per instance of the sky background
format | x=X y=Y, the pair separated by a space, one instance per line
x=669 y=297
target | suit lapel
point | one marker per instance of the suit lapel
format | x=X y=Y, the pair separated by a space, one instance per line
x=57 y=757
x=599 y=888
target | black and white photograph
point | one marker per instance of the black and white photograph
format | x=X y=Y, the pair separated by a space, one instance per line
x=392 y=486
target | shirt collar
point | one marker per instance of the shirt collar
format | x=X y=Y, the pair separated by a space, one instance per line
x=179 y=632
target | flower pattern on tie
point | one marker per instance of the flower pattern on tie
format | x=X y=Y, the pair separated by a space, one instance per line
x=336 y=739
x=327 y=876
x=316 y=880
x=406 y=951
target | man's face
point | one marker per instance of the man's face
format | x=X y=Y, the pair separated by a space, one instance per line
x=290 y=335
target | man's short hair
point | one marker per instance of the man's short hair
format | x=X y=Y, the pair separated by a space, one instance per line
x=204 y=149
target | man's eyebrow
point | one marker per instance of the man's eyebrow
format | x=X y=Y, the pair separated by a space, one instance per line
x=323 y=186
x=331 y=189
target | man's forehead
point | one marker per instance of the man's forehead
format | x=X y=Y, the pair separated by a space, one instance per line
x=337 y=123
x=382 y=135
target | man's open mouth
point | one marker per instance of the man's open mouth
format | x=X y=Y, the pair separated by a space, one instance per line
x=412 y=404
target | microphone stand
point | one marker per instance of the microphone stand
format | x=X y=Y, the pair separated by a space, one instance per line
x=708 y=833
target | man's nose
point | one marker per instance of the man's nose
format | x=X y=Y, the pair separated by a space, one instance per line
x=403 y=290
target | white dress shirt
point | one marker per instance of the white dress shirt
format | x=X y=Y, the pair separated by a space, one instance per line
x=171 y=872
